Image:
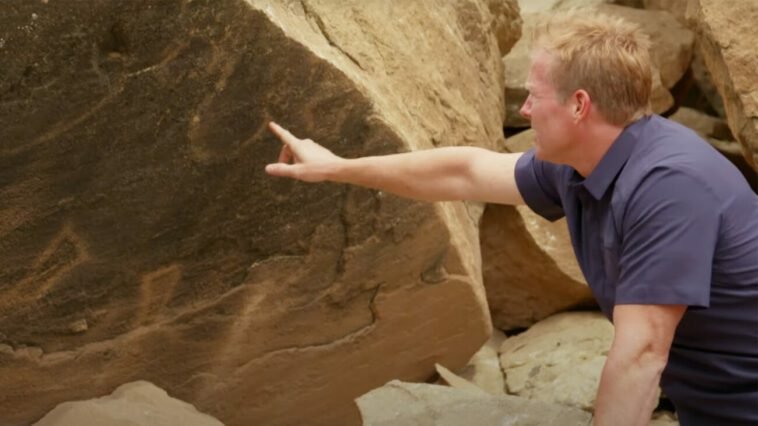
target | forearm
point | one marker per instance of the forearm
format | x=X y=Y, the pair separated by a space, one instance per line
x=628 y=390
x=441 y=174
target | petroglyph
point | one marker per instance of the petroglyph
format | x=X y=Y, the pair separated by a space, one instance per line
x=64 y=253
x=156 y=291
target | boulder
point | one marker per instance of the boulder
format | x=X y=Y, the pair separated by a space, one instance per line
x=705 y=125
x=141 y=239
x=133 y=404
x=672 y=41
x=483 y=369
x=529 y=267
x=506 y=23
x=414 y=404
x=558 y=360
x=678 y=8
x=664 y=418
x=727 y=38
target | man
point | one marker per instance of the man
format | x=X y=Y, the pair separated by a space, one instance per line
x=664 y=228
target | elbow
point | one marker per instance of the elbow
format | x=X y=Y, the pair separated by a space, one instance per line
x=650 y=357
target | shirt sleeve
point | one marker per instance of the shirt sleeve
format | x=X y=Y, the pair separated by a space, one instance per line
x=670 y=230
x=539 y=182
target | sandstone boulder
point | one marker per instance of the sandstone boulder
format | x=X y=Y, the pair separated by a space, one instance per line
x=483 y=369
x=672 y=41
x=506 y=23
x=132 y=404
x=529 y=268
x=716 y=131
x=678 y=8
x=703 y=124
x=141 y=239
x=412 y=404
x=558 y=360
x=727 y=37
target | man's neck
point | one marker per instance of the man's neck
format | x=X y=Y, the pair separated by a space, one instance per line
x=596 y=139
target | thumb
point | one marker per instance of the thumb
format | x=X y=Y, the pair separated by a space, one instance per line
x=282 y=170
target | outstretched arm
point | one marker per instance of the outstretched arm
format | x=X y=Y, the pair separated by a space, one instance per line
x=442 y=174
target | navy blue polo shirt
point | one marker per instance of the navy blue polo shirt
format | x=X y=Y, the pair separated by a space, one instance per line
x=665 y=219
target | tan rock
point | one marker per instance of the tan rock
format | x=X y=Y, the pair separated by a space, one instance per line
x=413 y=404
x=558 y=360
x=716 y=131
x=506 y=23
x=529 y=268
x=677 y=8
x=672 y=41
x=483 y=369
x=664 y=418
x=540 y=6
x=704 y=81
x=727 y=37
x=133 y=404
x=456 y=381
x=142 y=239
x=520 y=142
x=705 y=125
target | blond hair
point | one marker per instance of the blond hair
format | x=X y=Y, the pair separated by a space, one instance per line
x=605 y=56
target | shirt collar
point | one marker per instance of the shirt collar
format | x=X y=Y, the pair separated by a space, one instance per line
x=613 y=161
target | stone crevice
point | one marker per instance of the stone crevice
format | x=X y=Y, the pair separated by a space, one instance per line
x=324 y=32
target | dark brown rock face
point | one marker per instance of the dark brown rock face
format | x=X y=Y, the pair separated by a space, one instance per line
x=141 y=239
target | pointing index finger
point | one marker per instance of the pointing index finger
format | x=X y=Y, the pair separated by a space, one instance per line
x=282 y=133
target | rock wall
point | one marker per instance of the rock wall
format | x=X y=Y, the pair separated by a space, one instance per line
x=141 y=239
x=727 y=39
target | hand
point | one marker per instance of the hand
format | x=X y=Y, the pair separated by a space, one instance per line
x=300 y=159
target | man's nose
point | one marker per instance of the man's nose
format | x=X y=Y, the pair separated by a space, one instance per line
x=526 y=108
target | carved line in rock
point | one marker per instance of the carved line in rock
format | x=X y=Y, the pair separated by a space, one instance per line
x=316 y=19
x=156 y=291
x=64 y=253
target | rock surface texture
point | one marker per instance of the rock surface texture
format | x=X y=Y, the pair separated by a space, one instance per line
x=132 y=404
x=413 y=404
x=727 y=38
x=558 y=360
x=529 y=268
x=141 y=239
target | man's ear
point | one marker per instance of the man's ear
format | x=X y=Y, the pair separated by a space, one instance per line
x=582 y=104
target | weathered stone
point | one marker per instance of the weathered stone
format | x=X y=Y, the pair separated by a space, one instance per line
x=716 y=131
x=529 y=267
x=140 y=237
x=453 y=380
x=520 y=142
x=483 y=369
x=677 y=8
x=664 y=418
x=506 y=23
x=539 y=6
x=412 y=404
x=672 y=42
x=133 y=404
x=628 y=3
x=703 y=124
x=705 y=85
x=559 y=359
x=727 y=37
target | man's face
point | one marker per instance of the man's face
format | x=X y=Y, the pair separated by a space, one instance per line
x=551 y=120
